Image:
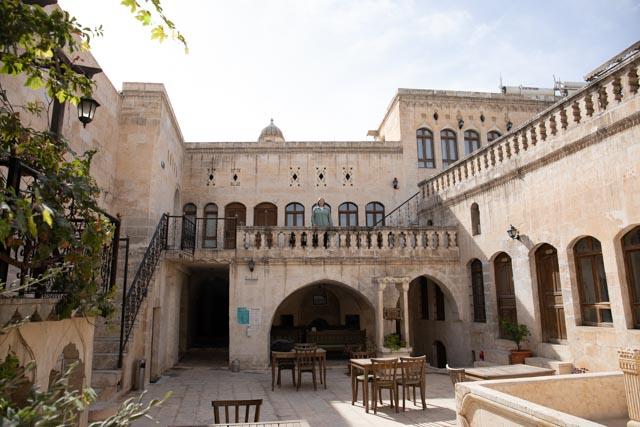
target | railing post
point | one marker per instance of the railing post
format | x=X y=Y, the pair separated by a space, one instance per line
x=124 y=299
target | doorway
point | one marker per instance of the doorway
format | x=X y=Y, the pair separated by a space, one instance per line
x=550 y=293
x=237 y=216
x=265 y=215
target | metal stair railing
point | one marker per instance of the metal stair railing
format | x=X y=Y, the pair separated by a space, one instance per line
x=405 y=214
x=137 y=292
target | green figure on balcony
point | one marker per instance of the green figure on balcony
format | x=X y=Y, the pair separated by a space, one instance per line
x=321 y=215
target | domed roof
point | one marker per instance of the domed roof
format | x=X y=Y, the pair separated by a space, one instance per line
x=271 y=134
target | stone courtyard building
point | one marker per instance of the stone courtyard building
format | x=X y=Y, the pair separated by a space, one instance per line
x=223 y=255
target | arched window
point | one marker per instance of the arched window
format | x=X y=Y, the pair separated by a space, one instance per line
x=631 y=247
x=592 y=283
x=477 y=286
x=348 y=215
x=471 y=141
x=210 y=234
x=492 y=135
x=475 y=219
x=265 y=215
x=294 y=215
x=189 y=211
x=505 y=292
x=375 y=213
x=426 y=158
x=449 y=145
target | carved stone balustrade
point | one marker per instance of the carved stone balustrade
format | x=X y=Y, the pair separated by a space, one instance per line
x=293 y=242
x=630 y=366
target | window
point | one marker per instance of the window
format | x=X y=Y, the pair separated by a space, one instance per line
x=592 y=283
x=439 y=303
x=477 y=286
x=210 y=235
x=375 y=213
x=189 y=211
x=426 y=158
x=424 y=298
x=449 y=147
x=475 y=219
x=493 y=135
x=505 y=292
x=265 y=215
x=348 y=215
x=631 y=247
x=294 y=215
x=471 y=141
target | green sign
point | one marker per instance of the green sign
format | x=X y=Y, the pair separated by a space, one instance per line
x=242 y=315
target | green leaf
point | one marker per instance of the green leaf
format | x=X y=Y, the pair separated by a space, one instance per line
x=34 y=82
x=31 y=226
x=144 y=16
x=158 y=33
x=47 y=215
x=131 y=4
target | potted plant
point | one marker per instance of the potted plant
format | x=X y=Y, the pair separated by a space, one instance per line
x=393 y=346
x=517 y=333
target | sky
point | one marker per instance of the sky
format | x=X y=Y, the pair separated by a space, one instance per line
x=328 y=69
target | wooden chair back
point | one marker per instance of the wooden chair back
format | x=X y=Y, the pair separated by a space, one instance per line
x=384 y=370
x=359 y=355
x=305 y=346
x=236 y=404
x=412 y=368
x=305 y=358
x=456 y=374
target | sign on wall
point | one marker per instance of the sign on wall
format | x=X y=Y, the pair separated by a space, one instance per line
x=249 y=316
x=392 y=313
x=242 y=315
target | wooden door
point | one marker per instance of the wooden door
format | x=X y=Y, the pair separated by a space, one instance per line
x=236 y=215
x=505 y=292
x=550 y=293
x=265 y=215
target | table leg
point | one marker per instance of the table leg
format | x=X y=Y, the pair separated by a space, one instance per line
x=353 y=383
x=273 y=373
x=365 y=389
x=320 y=367
x=324 y=368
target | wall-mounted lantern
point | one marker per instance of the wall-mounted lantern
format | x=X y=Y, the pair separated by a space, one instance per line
x=513 y=233
x=395 y=183
x=251 y=264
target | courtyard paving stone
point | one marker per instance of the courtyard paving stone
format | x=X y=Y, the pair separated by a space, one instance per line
x=194 y=387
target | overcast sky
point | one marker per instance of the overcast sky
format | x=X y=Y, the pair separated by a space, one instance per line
x=327 y=69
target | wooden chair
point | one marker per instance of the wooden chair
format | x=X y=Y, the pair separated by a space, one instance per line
x=457 y=375
x=384 y=376
x=413 y=375
x=286 y=365
x=360 y=378
x=226 y=404
x=305 y=346
x=306 y=362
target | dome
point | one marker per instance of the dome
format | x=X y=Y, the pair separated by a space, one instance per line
x=271 y=134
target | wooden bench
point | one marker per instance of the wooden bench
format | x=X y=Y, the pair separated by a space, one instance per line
x=334 y=340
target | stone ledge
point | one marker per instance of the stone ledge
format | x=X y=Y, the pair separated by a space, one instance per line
x=561 y=367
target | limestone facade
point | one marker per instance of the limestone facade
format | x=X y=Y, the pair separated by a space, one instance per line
x=560 y=169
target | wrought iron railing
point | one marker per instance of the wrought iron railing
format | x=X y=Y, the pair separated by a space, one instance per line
x=17 y=263
x=211 y=233
x=137 y=292
x=404 y=215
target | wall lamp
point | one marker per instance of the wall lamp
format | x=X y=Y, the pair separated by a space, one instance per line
x=513 y=233
x=460 y=124
x=252 y=265
x=395 y=183
x=509 y=125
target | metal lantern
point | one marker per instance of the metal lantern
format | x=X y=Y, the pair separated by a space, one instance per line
x=395 y=183
x=513 y=233
x=251 y=264
x=86 y=110
x=509 y=125
x=460 y=124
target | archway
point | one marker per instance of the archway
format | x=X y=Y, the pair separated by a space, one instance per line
x=331 y=314
x=433 y=317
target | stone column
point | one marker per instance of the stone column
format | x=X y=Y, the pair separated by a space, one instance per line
x=382 y=284
x=630 y=366
x=405 y=310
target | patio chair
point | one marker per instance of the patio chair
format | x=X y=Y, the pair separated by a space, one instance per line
x=306 y=362
x=236 y=404
x=457 y=375
x=284 y=364
x=413 y=370
x=384 y=377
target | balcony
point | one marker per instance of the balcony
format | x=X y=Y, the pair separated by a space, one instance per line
x=220 y=240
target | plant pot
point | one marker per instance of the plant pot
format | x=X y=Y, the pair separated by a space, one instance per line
x=518 y=356
x=401 y=352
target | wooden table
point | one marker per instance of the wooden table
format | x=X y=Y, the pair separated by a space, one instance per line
x=289 y=423
x=357 y=365
x=321 y=355
x=506 y=371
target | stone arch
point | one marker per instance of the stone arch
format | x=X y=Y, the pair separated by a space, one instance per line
x=70 y=356
x=176 y=202
x=439 y=354
x=347 y=296
x=622 y=269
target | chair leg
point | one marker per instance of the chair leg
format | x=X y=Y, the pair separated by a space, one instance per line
x=313 y=374
x=299 y=377
x=380 y=396
x=423 y=392
x=395 y=392
x=391 y=399
x=375 y=401
x=404 y=397
x=279 y=371
x=414 y=395
x=293 y=376
x=354 y=398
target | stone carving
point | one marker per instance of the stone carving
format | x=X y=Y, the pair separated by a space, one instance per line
x=211 y=177
x=347 y=176
x=235 y=177
x=321 y=176
x=294 y=176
